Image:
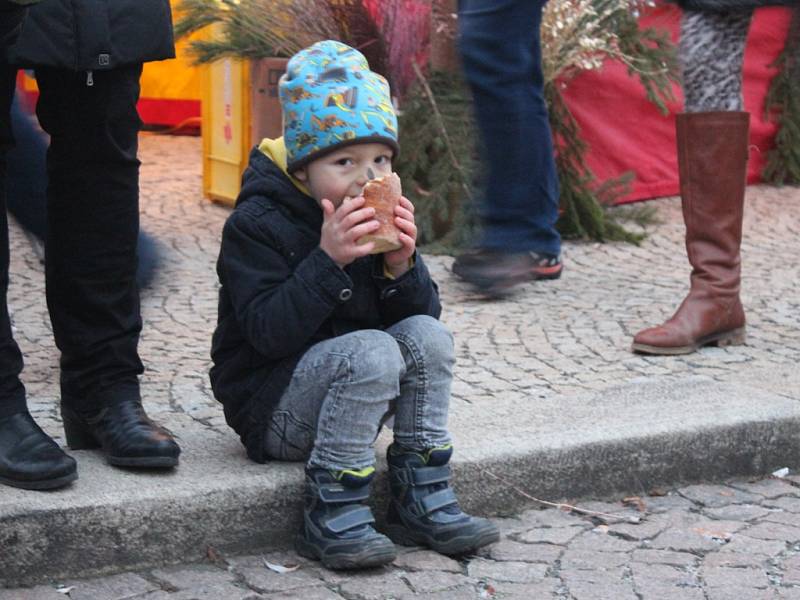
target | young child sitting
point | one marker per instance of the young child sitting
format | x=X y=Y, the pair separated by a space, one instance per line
x=319 y=341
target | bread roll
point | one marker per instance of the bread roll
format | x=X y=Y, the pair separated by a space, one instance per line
x=383 y=195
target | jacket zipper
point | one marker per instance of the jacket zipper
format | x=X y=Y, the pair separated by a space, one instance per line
x=89 y=79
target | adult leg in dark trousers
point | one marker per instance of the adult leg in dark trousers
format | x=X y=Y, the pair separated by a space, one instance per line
x=29 y=458
x=90 y=264
x=500 y=47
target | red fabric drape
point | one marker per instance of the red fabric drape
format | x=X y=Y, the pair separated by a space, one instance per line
x=627 y=133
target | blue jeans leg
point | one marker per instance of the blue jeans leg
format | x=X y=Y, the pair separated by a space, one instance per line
x=339 y=393
x=344 y=388
x=500 y=48
x=420 y=412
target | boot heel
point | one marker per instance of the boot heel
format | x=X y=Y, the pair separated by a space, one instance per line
x=77 y=437
x=737 y=337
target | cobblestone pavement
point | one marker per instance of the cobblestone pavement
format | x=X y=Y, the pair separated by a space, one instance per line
x=552 y=338
x=739 y=541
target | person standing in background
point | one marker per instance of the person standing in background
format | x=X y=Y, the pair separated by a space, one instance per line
x=500 y=48
x=712 y=137
x=88 y=58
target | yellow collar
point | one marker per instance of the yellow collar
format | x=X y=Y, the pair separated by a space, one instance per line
x=275 y=150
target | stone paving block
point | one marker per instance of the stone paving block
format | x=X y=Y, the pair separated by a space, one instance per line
x=613 y=512
x=685 y=541
x=39 y=592
x=743 y=544
x=738 y=512
x=601 y=541
x=700 y=537
x=653 y=590
x=790 y=571
x=383 y=586
x=508 y=571
x=427 y=560
x=508 y=525
x=684 y=560
x=783 y=517
x=154 y=595
x=266 y=581
x=663 y=574
x=460 y=593
x=556 y=536
x=507 y=549
x=774 y=531
x=670 y=502
x=650 y=527
x=714 y=496
x=548 y=588
x=768 y=488
x=540 y=518
x=427 y=582
x=743 y=578
x=585 y=590
x=579 y=559
x=739 y=560
x=114 y=587
x=784 y=503
x=316 y=593
x=186 y=577
x=788 y=593
x=215 y=592
x=739 y=593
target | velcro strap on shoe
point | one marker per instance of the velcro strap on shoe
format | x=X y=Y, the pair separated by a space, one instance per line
x=335 y=493
x=433 y=502
x=420 y=475
x=348 y=517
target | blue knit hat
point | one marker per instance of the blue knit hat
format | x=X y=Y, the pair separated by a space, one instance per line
x=331 y=99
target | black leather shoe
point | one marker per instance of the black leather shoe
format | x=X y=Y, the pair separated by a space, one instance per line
x=29 y=458
x=124 y=432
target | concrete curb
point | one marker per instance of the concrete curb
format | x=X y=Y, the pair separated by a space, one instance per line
x=626 y=439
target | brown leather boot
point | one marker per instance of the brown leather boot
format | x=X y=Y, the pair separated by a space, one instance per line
x=712 y=162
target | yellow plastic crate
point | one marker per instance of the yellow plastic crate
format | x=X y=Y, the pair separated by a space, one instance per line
x=239 y=108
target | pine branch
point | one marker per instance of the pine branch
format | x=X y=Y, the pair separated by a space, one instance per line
x=783 y=106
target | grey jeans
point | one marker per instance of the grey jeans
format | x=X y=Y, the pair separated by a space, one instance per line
x=344 y=388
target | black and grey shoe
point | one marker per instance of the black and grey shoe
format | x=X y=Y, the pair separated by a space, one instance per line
x=424 y=510
x=495 y=273
x=337 y=527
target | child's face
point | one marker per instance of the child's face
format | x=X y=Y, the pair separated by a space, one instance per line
x=345 y=172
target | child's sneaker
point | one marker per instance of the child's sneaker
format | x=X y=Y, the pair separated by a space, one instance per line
x=423 y=508
x=337 y=526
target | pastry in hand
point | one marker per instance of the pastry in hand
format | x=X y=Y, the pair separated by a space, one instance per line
x=383 y=195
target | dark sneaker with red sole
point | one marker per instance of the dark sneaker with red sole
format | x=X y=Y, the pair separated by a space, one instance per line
x=495 y=273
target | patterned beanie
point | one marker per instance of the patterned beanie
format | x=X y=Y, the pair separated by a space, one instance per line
x=331 y=99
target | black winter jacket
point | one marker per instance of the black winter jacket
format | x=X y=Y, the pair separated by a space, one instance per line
x=11 y=17
x=281 y=294
x=89 y=35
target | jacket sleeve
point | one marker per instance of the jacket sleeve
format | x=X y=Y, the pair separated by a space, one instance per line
x=279 y=310
x=413 y=293
x=11 y=16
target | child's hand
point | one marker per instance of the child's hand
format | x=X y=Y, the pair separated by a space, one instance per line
x=342 y=226
x=397 y=260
